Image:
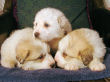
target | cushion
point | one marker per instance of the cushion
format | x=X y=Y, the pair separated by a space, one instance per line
x=75 y=11
x=54 y=75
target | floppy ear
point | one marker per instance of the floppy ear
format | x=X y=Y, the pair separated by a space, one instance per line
x=61 y=21
x=64 y=24
x=22 y=55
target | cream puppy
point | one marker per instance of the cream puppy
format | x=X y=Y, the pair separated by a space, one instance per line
x=23 y=50
x=79 y=49
x=51 y=25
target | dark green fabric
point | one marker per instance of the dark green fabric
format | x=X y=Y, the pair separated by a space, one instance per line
x=6 y=22
x=75 y=11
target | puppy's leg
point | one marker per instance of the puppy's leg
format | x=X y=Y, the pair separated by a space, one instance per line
x=30 y=66
x=74 y=64
x=98 y=54
x=60 y=59
x=34 y=65
x=96 y=65
x=99 y=50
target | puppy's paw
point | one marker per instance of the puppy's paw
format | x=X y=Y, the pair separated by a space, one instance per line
x=28 y=68
x=71 y=66
x=97 y=66
x=8 y=64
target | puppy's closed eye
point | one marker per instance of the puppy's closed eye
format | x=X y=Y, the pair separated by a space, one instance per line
x=41 y=57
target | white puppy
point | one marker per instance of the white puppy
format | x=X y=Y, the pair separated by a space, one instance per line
x=23 y=50
x=79 y=49
x=51 y=25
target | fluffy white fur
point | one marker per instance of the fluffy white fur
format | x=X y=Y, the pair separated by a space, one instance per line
x=79 y=49
x=107 y=4
x=51 y=23
x=23 y=50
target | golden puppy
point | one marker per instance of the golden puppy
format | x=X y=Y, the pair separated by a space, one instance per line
x=81 y=48
x=23 y=50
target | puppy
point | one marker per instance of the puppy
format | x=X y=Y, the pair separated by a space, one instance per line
x=50 y=25
x=79 y=49
x=22 y=50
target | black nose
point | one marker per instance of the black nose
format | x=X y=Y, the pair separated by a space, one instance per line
x=36 y=34
x=52 y=65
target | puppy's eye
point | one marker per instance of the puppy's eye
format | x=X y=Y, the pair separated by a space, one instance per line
x=64 y=55
x=46 y=25
x=65 y=33
x=41 y=56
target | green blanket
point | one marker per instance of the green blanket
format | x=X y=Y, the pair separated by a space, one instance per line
x=75 y=11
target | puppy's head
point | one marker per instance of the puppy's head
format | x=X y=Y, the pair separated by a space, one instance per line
x=37 y=52
x=50 y=23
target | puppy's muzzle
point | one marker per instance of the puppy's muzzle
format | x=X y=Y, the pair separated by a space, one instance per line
x=36 y=34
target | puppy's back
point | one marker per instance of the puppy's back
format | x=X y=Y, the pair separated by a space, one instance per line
x=8 y=48
x=79 y=47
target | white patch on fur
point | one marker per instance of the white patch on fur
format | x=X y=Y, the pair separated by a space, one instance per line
x=57 y=21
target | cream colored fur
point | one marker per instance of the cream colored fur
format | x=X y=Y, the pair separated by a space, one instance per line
x=79 y=49
x=23 y=50
x=58 y=25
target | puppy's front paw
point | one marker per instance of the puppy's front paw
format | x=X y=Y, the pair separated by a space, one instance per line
x=27 y=68
x=71 y=66
x=97 y=66
x=8 y=63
